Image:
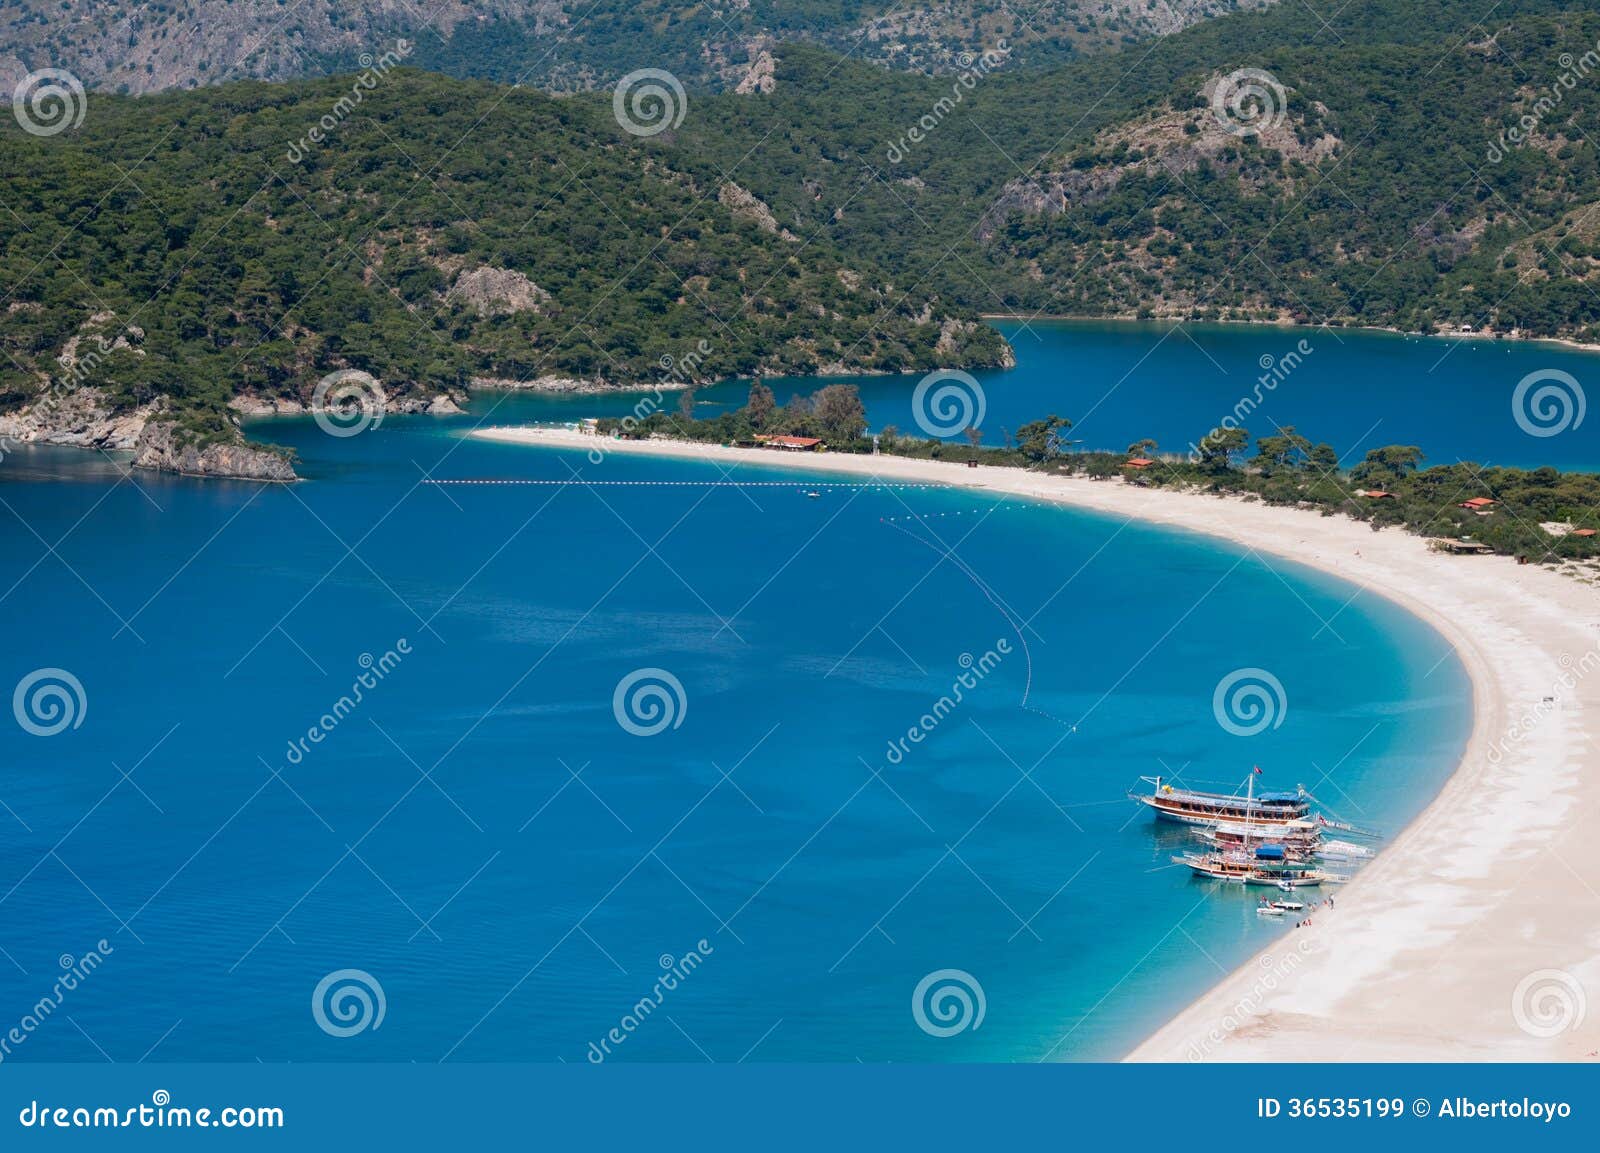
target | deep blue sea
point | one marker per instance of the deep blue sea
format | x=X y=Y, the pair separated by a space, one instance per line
x=516 y=860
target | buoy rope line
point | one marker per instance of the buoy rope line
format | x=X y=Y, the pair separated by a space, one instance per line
x=579 y=482
x=1004 y=610
x=949 y=554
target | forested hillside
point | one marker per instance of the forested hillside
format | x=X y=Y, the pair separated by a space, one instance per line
x=1402 y=164
x=1387 y=186
x=204 y=245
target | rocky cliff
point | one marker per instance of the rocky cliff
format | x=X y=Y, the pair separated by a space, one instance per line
x=83 y=418
x=164 y=447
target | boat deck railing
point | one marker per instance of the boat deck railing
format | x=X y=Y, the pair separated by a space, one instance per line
x=1241 y=804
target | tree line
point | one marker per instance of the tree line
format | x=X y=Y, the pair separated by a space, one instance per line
x=1284 y=468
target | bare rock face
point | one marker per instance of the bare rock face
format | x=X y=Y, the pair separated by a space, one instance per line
x=762 y=76
x=541 y=384
x=493 y=291
x=248 y=404
x=80 y=419
x=439 y=404
x=162 y=447
x=745 y=205
x=1174 y=141
x=953 y=335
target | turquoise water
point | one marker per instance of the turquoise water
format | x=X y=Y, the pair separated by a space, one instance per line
x=485 y=839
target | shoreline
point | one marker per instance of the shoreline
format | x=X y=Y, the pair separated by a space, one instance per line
x=1488 y=337
x=1490 y=889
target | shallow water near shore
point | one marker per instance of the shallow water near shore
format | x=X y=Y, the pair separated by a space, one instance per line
x=517 y=870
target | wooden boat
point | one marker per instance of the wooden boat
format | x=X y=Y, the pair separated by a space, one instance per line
x=1238 y=869
x=1288 y=832
x=1299 y=840
x=1266 y=840
x=1213 y=867
x=1193 y=807
x=1291 y=850
x=1304 y=879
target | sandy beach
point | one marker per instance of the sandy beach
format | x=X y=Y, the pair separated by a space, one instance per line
x=1475 y=935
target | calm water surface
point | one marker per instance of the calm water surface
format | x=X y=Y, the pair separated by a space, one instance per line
x=512 y=866
x=1123 y=382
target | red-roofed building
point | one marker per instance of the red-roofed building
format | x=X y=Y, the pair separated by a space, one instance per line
x=1583 y=532
x=791 y=443
x=1139 y=462
x=1377 y=494
x=1478 y=503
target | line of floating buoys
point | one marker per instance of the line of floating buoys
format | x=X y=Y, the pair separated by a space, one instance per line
x=914 y=518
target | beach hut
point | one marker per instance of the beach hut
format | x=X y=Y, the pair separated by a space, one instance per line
x=1139 y=462
x=1377 y=494
x=1478 y=504
x=1459 y=547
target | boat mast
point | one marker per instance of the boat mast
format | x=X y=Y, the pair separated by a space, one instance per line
x=1249 y=807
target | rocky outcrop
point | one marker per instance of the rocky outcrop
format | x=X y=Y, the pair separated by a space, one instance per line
x=492 y=291
x=440 y=404
x=955 y=337
x=163 y=446
x=83 y=419
x=761 y=76
x=745 y=205
x=443 y=405
x=80 y=419
x=248 y=404
x=1174 y=142
x=543 y=384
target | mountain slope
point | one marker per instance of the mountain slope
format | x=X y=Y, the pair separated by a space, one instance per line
x=1408 y=167
x=194 y=248
x=560 y=44
x=1387 y=188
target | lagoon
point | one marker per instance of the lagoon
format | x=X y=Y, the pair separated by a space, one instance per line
x=1123 y=381
x=517 y=868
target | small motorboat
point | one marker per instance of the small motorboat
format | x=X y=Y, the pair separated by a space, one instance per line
x=813 y=494
x=1289 y=906
x=1270 y=911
